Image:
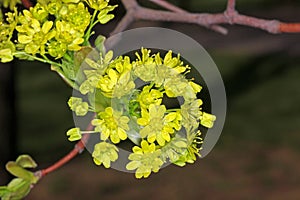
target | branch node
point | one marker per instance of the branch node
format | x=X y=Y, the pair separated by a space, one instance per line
x=230 y=15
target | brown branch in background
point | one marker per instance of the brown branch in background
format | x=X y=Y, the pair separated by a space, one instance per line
x=168 y=6
x=230 y=6
x=211 y=21
x=171 y=7
x=27 y=4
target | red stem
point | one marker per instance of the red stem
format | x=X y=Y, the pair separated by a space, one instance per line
x=289 y=27
x=27 y=4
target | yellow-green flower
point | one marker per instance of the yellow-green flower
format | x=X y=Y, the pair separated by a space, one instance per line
x=145 y=66
x=57 y=49
x=105 y=153
x=7 y=48
x=104 y=17
x=118 y=80
x=98 y=4
x=149 y=96
x=111 y=124
x=196 y=87
x=7 y=29
x=174 y=63
x=90 y=84
x=69 y=35
x=6 y=55
x=145 y=159
x=191 y=113
x=124 y=85
x=156 y=125
x=78 y=106
x=78 y=16
x=154 y=68
x=192 y=150
x=104 y=8
x=176 y=86
x=108 y=82
x=10 y=3
x=174 y=149
x=70 y=1
x=34 y=35
x=93 y=75
x=55 y=8
x=74 y=134
x=39 y=12
x=207 y=120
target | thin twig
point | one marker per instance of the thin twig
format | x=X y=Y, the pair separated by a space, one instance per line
x=168 y=6
x=124 y=23
x=211 y=21
x=173 y=8
x=230 y=6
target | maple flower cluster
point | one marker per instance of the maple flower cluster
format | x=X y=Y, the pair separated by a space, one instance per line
x=125 y=111
x=51 y=28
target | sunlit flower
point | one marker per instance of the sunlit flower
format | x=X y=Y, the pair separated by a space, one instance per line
x=69 y=35
x=207 y=120
x=39 y=12
x=175 y=86
x=78 y=16
x=105 y=153
x=149 y=96
x=118 y=81
x=192 y=151
x=158 y=70
x=78 y=106
x=34 y=35
x=144 y=66
x=74 y=134
x=111 y=124
x=145 y=159
x=191 y=113
x=174 y=63
x=174 y=149
x=6 y=55
x=57 y=49
x=156 y=125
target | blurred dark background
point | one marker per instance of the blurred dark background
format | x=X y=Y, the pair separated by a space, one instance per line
x=257 y=156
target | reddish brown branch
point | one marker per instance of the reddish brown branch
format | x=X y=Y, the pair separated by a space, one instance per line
x=211 y=21
x=289 y=27
x=168 y=6
x=171 y=7
x=231 y=6
x=27 y=4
